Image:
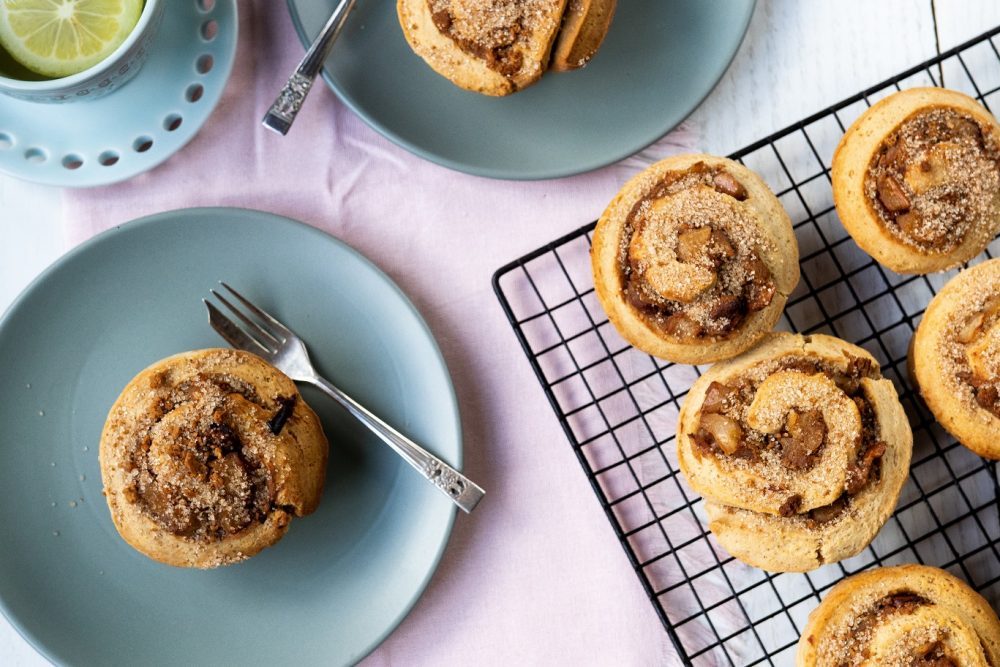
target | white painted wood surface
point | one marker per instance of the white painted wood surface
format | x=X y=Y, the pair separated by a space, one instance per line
x=798 y=57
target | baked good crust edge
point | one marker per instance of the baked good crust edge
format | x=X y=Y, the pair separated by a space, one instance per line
x=927 y=578
x=147 y=537
x=789 y=550
x=975 y=429
x=850 y=165
x=783 y=263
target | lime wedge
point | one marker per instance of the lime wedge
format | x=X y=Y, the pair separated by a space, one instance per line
x=58 y=38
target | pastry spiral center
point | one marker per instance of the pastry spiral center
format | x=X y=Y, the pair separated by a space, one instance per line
x=800 y=440
x=818 y=430
x=198 y=470
x=691 y=255
x=935 y=179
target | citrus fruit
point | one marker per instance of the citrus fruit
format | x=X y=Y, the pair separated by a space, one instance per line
x=58 y=38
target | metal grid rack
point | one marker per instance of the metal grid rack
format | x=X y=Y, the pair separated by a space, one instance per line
x=618 y=406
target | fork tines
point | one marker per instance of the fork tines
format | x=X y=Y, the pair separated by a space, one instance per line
x=260 y=332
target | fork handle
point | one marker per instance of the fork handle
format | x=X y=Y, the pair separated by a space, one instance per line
x=463 y=491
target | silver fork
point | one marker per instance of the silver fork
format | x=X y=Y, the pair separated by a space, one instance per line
x=271 y=340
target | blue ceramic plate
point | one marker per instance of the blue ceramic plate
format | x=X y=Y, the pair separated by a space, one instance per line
x=660 y=59
x=342 y=578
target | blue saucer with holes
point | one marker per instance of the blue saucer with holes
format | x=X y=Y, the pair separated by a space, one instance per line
x=110 y=139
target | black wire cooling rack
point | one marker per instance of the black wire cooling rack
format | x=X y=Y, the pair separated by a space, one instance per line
x=618 y=406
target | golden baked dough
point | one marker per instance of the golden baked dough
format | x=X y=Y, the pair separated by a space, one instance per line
x=955 y=358
x=585 y=25
x=901 y=616
x=800 y=449
x=494 y=47
x=206 y=456
x=694 y=259
x=916 y=180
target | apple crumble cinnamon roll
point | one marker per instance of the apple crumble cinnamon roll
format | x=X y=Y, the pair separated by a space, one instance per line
x=916 y=180
x=494 y=47
x=800 y=449
x=694 y=259
x=955 y=358
x=206 y=456
x=901 y=616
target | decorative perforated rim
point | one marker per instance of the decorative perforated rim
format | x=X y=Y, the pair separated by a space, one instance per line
x=135 y=128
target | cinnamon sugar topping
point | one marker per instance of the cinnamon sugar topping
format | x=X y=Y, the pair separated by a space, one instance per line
x=492 y=29
x=875 y=631
x=198 y=460
x=935 y=181
x=850 y=645
x=691 y=255
x=782 y=436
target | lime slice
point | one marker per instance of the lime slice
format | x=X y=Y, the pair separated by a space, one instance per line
x=58 y=38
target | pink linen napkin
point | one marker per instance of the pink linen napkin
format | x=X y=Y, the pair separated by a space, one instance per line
x=535 y=576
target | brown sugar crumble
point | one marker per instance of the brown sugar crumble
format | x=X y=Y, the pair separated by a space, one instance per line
x=723 y=430
x=197 y=463
x=935 y=180
x=690 y=255
x=491 y=29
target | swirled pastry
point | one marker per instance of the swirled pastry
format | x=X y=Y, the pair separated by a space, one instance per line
x=585 y=25
x=901 y=616
x=694 y=259
x=916 y=180
x=799 y=448
x=494 y=47
x=955 y=358
x=206 y=456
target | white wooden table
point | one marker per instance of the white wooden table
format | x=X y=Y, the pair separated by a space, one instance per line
x=799 y=56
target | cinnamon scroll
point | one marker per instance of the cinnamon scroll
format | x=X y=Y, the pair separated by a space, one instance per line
x=800 y=449
x=694 y=259
x=955 y=358
x=494 y=47
x=916 y=180
x=902 y=616
x=206 y=456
